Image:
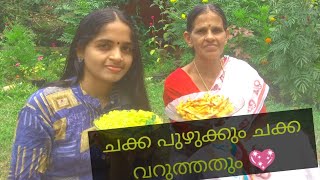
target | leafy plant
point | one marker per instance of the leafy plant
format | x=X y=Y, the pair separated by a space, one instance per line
x=279 y=38
x=72 y=12
x=295 y=51
x=248 y=25
x=18 y=50
x=34 y=72
x=56 y=62
x=37 y=13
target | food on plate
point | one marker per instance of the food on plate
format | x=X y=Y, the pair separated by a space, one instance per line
x=205 y=107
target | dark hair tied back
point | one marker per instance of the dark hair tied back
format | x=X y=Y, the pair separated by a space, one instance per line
x=204 y=8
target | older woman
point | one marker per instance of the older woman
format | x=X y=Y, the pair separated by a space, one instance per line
x=210 y=70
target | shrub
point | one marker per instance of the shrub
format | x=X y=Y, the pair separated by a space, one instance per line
x=294 y=60
x=18 y=54
x=72 y=12
x=279 y=38
x=248 y=26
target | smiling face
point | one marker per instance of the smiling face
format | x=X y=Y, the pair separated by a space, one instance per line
x=208 y=36
x=108 y=57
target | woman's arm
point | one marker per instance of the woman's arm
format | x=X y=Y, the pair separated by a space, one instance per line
x=32 y=146
x=169 y=93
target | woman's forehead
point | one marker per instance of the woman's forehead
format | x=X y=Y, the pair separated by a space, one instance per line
x=117 y=31
x=208 y=19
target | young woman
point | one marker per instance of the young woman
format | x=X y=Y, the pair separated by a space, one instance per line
x=103 y=72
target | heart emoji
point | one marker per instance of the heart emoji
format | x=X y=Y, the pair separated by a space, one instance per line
x=262 y=159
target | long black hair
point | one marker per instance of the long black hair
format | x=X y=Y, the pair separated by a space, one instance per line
x=133 y=81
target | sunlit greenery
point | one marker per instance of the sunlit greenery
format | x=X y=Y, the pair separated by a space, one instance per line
x=279 y=38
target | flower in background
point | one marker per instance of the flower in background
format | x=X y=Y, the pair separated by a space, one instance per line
x=40 y=58
x=173 y=1
x=183 y=16
x=264 y=62
x=17 y=64
x=204 y=1
x=152 y=22
x=17 y=76
x=53 y=44
x=272 y=19
x=268 y=40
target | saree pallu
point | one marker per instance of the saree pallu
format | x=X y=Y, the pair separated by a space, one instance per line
x=241 y=79
x=237 y=78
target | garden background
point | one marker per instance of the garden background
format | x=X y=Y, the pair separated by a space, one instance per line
x=279 y=38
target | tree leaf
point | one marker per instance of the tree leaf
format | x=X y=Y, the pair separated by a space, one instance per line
x=152 y=52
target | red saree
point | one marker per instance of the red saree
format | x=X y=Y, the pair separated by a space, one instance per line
x=236 y=73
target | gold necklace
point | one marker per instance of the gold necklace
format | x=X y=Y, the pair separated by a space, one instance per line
x=205 y=85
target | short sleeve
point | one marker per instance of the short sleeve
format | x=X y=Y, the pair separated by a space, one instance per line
x=176 y=85
x=169 y=93
x=32 y=146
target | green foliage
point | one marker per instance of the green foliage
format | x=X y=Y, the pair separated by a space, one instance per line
x=11 y=103
x=46 y=25
x=55 y=65
x=15 y=10
x=51 y=20
x=155 y=91
x=280 y=38
x=248 y=26
x=295 y=51
x=18 y=51
x=71 y=13
x=164 y=68
x=155 y=51
x=35 y=12
x=20 y=60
